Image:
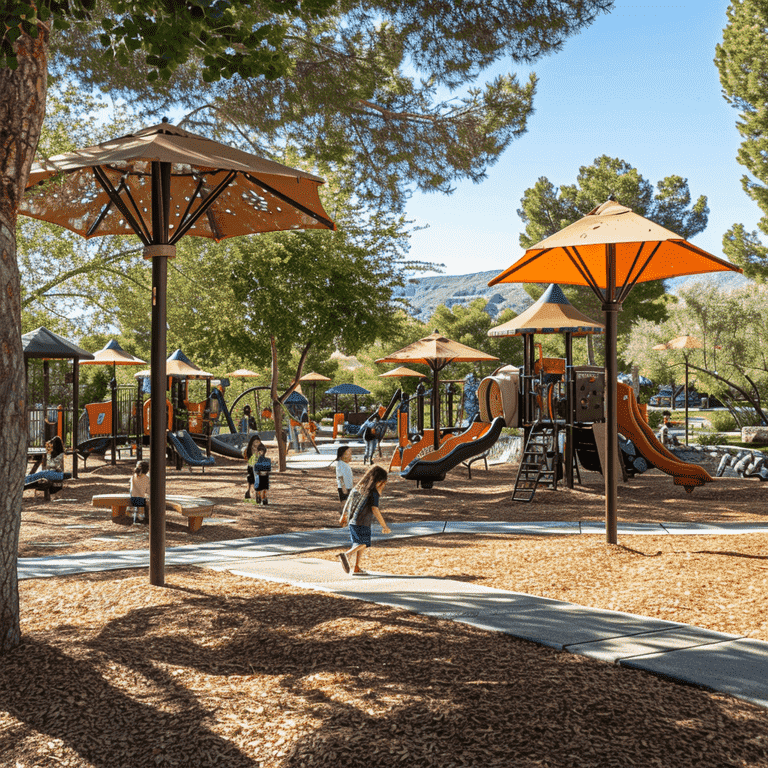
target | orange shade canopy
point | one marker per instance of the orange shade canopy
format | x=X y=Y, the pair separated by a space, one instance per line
x=401 y=371
x=680 y=342
x=216 y=191
x=436 y=351
x=644 y=251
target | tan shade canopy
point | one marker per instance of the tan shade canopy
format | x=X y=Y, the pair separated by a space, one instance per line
x=552 y=313
x=436 y=351
x=242 y=373
x=113 y=354
x=402 y=371
x=314 y=377
x=681 y=342
x=258 y=195
x=645 y=251
x=180 y=369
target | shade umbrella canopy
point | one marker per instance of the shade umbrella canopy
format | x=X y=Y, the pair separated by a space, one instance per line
x=105 y=188
x=113 y=354
x=436 y=351
x=310 y=377
x=551 y=313
x=45 y=344
x=610 y=250
x=242 y=373
x=347 y=389
x=401 y=371
x=681 y=342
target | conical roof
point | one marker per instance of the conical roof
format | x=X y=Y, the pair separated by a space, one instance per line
x=552 y=313
x=314 y=377
x=436 y=351
x=644 y=251
x=242 y=373
x=45 y=344
x=681 y=342
x=402 y=371
x=113 y=354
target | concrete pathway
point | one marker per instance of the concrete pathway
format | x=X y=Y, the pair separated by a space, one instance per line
x=727 y=663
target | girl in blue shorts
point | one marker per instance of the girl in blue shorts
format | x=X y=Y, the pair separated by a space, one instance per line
x=370 y=488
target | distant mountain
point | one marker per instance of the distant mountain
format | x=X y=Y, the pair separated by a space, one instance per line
x=425 y=294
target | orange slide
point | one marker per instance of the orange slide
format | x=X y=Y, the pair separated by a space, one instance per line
x=634 y=427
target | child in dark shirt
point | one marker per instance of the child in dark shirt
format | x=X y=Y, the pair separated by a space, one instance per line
x=370 y=488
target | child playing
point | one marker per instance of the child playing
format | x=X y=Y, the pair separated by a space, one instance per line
x=370 y=488
x=140 y=491
x=55 y=454
x=262 y=468
x=249 y=454
x=344 y=479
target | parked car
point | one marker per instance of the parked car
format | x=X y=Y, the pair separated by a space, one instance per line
x=664 y=397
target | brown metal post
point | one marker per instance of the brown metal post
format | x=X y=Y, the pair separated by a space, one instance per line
x=569 y=384
x=75 y=412
x=611 y=308
x=686 y=400
x=159 y=252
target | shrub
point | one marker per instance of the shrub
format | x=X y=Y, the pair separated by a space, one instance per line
x=723 y=422
x=711 y=438
x=654 y=419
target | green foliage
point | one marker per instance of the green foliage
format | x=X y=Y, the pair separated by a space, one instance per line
x=722 y=421
x=385 y=92
x=742 y=60
x=546 y=210
x=654 y=419
x=706 y=437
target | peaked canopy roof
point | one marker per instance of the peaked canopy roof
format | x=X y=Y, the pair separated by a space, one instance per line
x=402 y=371
x=347 y=389
x=258 y=195
x=45 y=344
x=179 y=365
x=436 y=351
x=310 y=377
x=113 y=354
x=242 y=373
x=681 y=342
x=645 y=251
x=552 y=313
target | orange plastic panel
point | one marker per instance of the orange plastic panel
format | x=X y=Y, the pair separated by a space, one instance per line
x=196 y=414
x=148 y=414
x=99 y=418
x=338 y=423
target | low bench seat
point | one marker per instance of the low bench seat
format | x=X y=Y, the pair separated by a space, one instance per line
x=193 y=508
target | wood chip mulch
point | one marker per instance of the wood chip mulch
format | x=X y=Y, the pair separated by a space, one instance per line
x=220 y=670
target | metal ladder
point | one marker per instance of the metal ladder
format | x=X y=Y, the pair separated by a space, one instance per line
x=535 y=467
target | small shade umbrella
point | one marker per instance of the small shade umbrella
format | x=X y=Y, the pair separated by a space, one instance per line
x=346 y=389
x=161 y=183
x=313 y=378
x=610 y=250
x=683 y=343
x=400 y=372
x=436 y=352
x=242 y=373
x=113 y=354
x=551 y=313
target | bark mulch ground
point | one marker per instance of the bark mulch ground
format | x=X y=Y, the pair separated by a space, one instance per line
x=220 y=670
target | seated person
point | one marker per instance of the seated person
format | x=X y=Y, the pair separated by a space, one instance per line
x=665 y=438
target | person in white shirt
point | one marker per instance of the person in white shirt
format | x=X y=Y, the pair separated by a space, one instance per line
x=140 y=491
x=344 y=479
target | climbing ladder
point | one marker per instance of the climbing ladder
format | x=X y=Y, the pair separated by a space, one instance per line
x=538 y=464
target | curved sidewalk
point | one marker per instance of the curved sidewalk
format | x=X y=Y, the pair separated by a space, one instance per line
x=730 y=664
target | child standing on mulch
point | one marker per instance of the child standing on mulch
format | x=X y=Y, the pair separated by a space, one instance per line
x=262 y=468
x=140 y=491
x=344 y=480
x=249 y=454
x=359 y=514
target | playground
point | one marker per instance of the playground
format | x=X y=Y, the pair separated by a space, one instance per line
x=316 y=663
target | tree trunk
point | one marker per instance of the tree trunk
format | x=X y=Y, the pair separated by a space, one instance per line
x=22 y=108
x=277 y=411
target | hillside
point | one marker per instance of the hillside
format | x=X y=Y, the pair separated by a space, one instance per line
x=425 y=294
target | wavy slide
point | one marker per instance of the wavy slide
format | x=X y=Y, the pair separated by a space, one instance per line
x=433 y=465
x=634 y=427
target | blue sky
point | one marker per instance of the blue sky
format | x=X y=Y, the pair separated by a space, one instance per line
x=639 y=84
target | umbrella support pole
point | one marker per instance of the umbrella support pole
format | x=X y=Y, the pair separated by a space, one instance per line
x=611 y=391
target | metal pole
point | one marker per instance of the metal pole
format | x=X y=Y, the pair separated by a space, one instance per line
x=113 y=426
x=75 y=412
x=568 y=410
x=435 y=409
x=686 y=401
x=159 y=252
x=610 y=308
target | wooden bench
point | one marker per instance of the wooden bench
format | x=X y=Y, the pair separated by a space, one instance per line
x=193 y=508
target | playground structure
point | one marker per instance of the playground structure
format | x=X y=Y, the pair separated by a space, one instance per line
x=561 y=409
